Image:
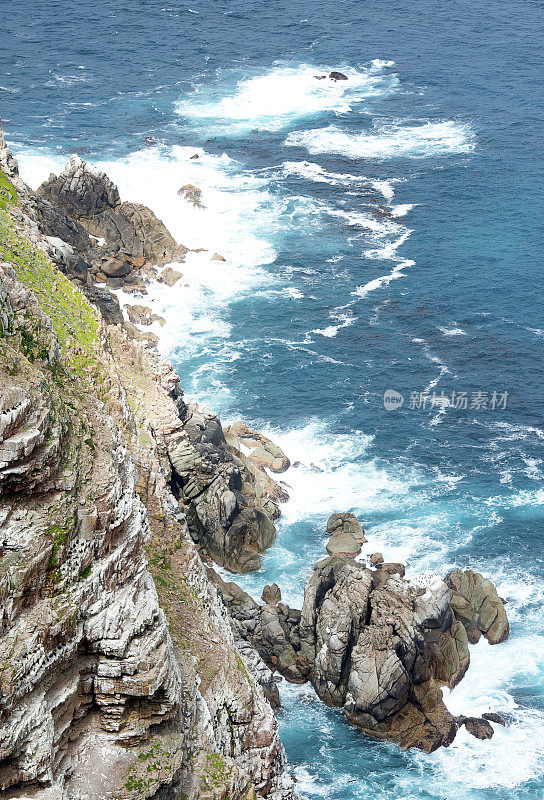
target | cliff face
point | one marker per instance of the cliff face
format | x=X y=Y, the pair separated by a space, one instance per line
x=119 y=675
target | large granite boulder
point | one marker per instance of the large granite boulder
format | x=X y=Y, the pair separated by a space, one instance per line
x=477 y=605
x=378 y=649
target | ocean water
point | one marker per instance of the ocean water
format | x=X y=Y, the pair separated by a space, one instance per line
x=380 y=233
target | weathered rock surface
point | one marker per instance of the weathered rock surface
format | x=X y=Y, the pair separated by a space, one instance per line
x=263 y=452
x=142 y=315
x=231 y=502
x=170 y=276
x=192 y=194
x=105 y=692
x=478 y=606
x=271 y=594
x=370 y=641
x=91 y=235
x=89 y=197
x=346 y=535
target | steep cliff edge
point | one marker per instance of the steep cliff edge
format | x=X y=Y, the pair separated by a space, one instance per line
x=119 y=675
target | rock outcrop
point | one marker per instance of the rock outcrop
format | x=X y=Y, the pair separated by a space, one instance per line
x=89 y=197
x=231 y=500
x=371 y=641
x=478 y=606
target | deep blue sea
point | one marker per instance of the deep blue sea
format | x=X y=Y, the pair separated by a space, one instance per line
x=380 y=233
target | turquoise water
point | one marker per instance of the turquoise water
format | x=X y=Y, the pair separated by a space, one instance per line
x=380 y=233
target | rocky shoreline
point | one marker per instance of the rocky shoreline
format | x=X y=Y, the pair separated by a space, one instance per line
x=116 y=493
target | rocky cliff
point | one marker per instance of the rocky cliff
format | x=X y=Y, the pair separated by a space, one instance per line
x=119 y=673
x=127 y=669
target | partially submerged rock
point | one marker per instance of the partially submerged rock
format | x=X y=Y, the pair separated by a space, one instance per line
x=231 y=500
x=479 y=727
x=142 y=315
x=170 y=276
x=372 y=642
x=191 y=193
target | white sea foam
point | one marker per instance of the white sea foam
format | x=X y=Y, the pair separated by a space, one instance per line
x=385 y=187
x=402 y=209
x=384 y=280
x=316 y=173
x=453 y=331
x=392 y=140
x=272 y=100
x=343 y=319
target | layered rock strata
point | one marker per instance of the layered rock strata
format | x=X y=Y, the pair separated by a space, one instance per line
x=119 y=673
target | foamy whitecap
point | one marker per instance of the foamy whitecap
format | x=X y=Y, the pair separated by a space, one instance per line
x=409 y=140
x=272 y=100
x=453 y=331
x=314 y=172
x=398 y=271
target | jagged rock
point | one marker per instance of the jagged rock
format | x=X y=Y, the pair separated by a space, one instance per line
x=271 y=629
x=477 y=726
x=191 y=193
x=88 y=197
x=117 y=267
x=142 y=315
x=80 y=190
x=264 y=453
x=477 y=605
x=170 y=276
x=87 y=664
x=494 y=716
x=217 y=257
x=106 y=302
x=338 y=76
x=271 y=594
x=231 y=502
x=376 y=559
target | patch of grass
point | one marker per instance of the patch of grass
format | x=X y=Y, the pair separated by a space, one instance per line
x=75 y=322
x=8 y=195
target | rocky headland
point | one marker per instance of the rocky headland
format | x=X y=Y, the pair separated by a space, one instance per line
x=117 y=636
